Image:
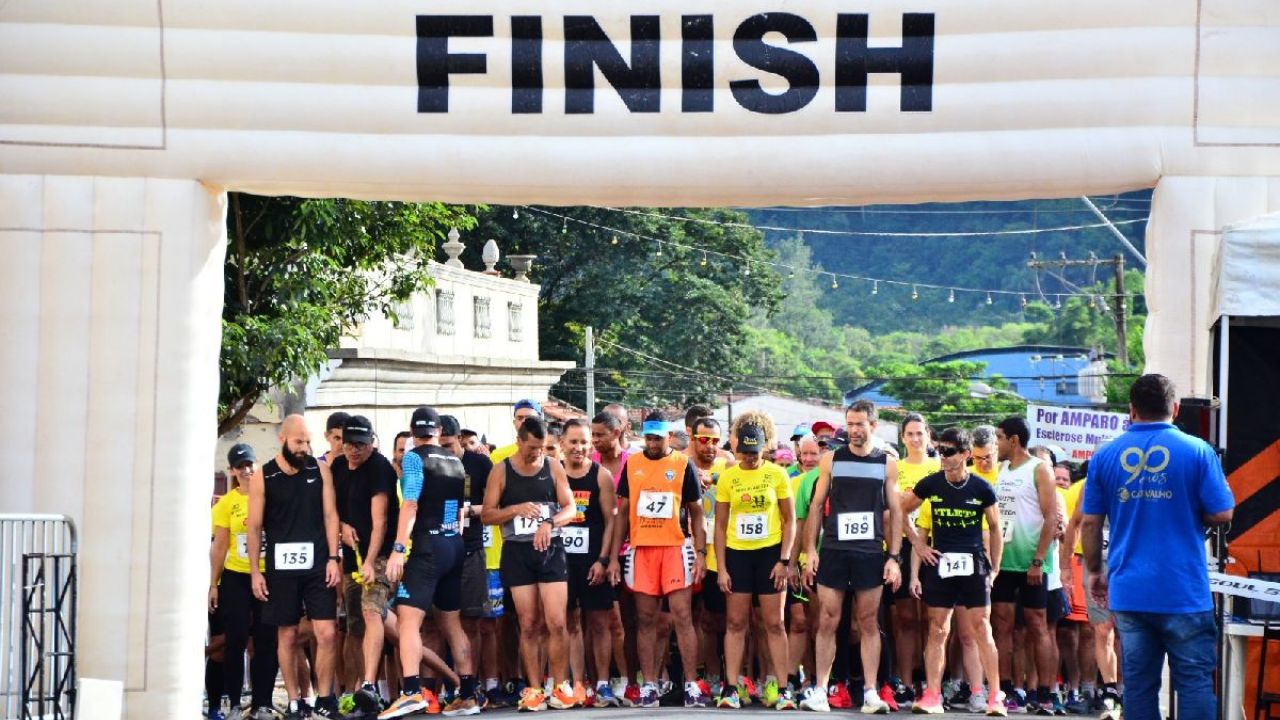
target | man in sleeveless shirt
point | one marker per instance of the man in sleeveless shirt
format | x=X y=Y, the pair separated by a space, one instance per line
x=857 y=487
x=292 y=503
x=528 y=496
x=587 y=542
x=1027 y=496
x=426 y=559
x=655 y=486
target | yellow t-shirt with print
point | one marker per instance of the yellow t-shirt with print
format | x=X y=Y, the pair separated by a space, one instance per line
x=1072 y=497
x=752 y=495
x=709 y=512
x=909 y=474
x=232 y=512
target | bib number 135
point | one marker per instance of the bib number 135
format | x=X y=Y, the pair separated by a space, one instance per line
x=295 y=556
x=856 y=526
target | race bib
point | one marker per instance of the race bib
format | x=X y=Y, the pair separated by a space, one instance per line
x=656 y=505
x=913 y=517
x=709 y=525
x=855 y=526
x=955 y=565
x=575 y=539
x=242 y=545
x=752 y=526
x=295 y=556
x=1006 y=529
x=528 y=526
x=487 y=534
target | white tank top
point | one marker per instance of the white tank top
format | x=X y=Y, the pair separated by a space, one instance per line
x=1020 y=517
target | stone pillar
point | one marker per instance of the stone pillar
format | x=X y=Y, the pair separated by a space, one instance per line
x=112 y=294
x=1183 y=237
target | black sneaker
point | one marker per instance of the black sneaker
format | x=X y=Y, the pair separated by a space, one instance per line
x=368 y=699
x=327 y=708
x=297 y=710
x=903 y=694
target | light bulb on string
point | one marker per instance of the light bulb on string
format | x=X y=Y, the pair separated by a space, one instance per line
x=951 y=296
x=1024 y=301
x=791 y=274
x=704 y=259
x=988 y=298
x=915 y=294
x=515 y=213
x=835 y=284
x=564 y=226
x=1057 y=303
x=746 y=269
x=875 y=287
x=659 y=253
x=614 y=241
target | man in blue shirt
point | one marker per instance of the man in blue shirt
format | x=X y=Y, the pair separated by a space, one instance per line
x=1159 y=488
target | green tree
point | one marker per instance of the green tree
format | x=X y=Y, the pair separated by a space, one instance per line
x=671 y=313
x=950 y=393
x=299 y=273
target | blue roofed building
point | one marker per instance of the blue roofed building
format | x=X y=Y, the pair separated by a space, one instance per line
x=1043 y=374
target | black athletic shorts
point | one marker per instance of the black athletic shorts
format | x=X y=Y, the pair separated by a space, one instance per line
x=712 y=597
x=290 y=593
x=844 y=570
x=749 y=569
x=433 y=574
x=583 y=594
x=969 y=591
x=522 y=565
x=1056 y=606
x=475 y=585
x=1013 y=587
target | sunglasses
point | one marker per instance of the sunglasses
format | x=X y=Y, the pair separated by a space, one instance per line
x=948 y=451
x=983 y=458
x=706 y=439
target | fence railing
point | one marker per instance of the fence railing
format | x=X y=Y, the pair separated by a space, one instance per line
x=38 y=594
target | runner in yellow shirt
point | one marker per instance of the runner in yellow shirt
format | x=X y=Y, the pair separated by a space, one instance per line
x=906 y=611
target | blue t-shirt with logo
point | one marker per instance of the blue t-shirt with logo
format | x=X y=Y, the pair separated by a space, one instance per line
x=1155 y=483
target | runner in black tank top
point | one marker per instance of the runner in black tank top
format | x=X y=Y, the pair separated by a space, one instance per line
x=528 y=495
x=587 y=543
x=292 y=503
x=855 y=486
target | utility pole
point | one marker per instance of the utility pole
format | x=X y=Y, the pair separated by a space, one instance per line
x=591 y=373
x=1121 y=307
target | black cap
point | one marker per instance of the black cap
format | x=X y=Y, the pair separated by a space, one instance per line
x=450 y=426
x=239 y=454
x=357 y=429
x=750 y=439
x=425 y=422
x=336 y=420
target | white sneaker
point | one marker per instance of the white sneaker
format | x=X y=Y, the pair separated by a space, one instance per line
x=872 y=704
x=978 y=701
x=815 y=699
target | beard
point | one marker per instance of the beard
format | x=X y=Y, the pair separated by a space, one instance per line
x=295 y=460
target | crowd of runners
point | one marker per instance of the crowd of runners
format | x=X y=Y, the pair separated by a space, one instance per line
x=419 y=570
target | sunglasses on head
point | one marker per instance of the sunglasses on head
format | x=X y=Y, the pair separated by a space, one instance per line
x=948 y=451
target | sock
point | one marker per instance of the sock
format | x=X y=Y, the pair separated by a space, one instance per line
x=601 y=684
x=794 y=680
x=430 y=684
x=869 y=694
x=467 y=687
x=1086 y=689
x=410 y=684
x=490 y=684
x=1043 y=694
x=1006 y=687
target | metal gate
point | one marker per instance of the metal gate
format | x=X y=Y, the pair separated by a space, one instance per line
x=37 y=616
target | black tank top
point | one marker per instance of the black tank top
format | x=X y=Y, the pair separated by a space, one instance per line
x=293 y=519
x=443 y=488
x=590 y=518
x=537 y=488
x=854 y=513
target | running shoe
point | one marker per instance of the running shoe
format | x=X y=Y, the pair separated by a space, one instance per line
x=1020 y=700
x=216 y=714
x=729 y=700
x=404 y=705
x=619 y=688
x=532 y=700
x=367 y=698
x=705 y=688
x=297 y=709
x=1059 y=708
x=693 y=695
x=814 y=699
x=930 y=703
x=347 y=703
x=605 y=697
x=873 y=704
x=960 y=695
x=977 y=701
x=1111 y=707
x=580 y=694
x=631 y=697
x=458 y=706
x=327 y=708
x=770 y=696
x=648 y=696
x=563 y=697
x=888 y=698
x=1042 y=707
x=996 y=706
x=903 y=695
x=786 y=700
x=752 y=692
x=263 y=713
x=1076 y=703
x=839 y=697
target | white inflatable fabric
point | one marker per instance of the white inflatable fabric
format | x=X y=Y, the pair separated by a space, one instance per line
x=123 y=121
x=1247 y=276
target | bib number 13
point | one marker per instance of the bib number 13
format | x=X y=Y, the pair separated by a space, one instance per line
x=855 y=526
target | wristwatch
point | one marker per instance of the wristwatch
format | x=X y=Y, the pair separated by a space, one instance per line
x=1036 y=562
x=603 y=560
x=336 y=558
x=896 y=558
x=400 y=548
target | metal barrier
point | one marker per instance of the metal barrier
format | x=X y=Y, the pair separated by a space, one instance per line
x=37 y=616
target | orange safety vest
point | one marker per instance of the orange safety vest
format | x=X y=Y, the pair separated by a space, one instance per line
x=655 y=499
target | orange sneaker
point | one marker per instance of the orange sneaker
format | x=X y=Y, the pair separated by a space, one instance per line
x=579 y=694
x=532 y=700
x=564 y=697
x=433 y=702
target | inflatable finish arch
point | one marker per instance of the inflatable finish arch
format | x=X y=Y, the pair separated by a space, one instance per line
x=124 y=121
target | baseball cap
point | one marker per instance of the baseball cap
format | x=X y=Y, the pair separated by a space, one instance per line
x=450 y=426
x=750 y=439
x=533 y=405
x=800 y=431
x=357 y=429
x=822 y=425
x=239 y=454
x=337 y=420
x=425 y=422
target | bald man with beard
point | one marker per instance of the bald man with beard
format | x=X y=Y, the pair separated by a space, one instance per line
x=293 y=508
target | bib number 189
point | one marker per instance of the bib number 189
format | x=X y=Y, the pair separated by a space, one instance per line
x=855 y=526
